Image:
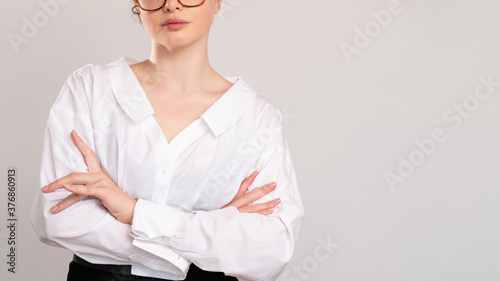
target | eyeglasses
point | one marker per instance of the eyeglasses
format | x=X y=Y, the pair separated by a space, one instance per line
x=154 y=5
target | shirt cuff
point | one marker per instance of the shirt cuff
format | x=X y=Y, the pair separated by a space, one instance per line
x=156 y=222
x=177 y=265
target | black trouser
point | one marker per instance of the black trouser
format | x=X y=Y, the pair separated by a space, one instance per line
x=81 y=270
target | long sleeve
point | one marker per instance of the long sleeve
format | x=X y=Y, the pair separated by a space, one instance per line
x=245 y=245
x=86 y=228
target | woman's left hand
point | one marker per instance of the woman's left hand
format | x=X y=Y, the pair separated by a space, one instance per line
x=94 y=183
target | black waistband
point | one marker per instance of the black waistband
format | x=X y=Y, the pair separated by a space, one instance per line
x=115 y=268
x=194 y=273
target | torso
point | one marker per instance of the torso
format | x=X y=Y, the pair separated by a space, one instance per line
x=175 y=112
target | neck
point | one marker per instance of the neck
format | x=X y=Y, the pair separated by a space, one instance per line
x=181 y=70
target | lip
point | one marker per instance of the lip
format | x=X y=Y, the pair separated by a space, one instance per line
x=174 y=23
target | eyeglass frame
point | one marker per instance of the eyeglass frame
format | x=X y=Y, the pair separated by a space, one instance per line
x=165 y=2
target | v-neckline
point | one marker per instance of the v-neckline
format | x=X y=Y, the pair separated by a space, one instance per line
x=190 y=125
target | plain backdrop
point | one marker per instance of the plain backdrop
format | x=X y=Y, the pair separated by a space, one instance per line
x=369 y=97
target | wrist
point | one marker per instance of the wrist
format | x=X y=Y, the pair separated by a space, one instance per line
x=130 y=217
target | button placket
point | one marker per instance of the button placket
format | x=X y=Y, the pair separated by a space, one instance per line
x=160 y=147
x=168 y=159
x=166 y=154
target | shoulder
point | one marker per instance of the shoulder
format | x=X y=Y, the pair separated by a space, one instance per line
x=266 y=106
x=265 y=110
x=261 y=105
x=97 y=72
x=88 y=78
x=88 y=73
x=83 y=84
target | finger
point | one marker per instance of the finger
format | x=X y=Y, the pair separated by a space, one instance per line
x=261 y=207
x=243 y=187
x=265 y=212
x=254 y=194
x=88 y=154
x=81 y=189
x=68 y=201
x=245 y=184
x=73 y=178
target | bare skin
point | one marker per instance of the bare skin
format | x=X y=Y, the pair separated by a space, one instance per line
x=175 y=111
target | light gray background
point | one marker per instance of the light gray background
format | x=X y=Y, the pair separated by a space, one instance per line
x=349 y=124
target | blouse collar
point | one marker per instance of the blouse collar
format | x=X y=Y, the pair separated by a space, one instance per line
x=219 y=116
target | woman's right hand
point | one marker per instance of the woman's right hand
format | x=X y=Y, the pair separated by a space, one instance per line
x=243 y=199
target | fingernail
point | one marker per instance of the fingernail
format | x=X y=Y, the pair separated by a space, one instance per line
x=276 y=201
x=45 y=187
x=273 y=184
x=66 y=185
x=53 y=209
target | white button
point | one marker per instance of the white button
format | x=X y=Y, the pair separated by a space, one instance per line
x=163 y=171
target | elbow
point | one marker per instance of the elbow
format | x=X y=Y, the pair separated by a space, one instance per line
x=284 y=251
x=287 y=250
x=43 y=223
x=291 y=237
x=279 y=261
x=39 y=224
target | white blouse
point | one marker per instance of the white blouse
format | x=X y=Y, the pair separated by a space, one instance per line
x=180 y=186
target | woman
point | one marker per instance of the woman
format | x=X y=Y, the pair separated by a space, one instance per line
x=154 y=185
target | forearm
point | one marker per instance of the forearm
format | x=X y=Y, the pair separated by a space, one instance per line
x=88 y=230
x=223 y=240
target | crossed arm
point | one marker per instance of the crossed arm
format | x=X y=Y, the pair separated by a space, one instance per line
x=119 y=204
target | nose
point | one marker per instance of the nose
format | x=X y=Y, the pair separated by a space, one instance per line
x=172 y=5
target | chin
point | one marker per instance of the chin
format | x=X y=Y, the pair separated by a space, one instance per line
x=169 y=39
x=173 y=44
